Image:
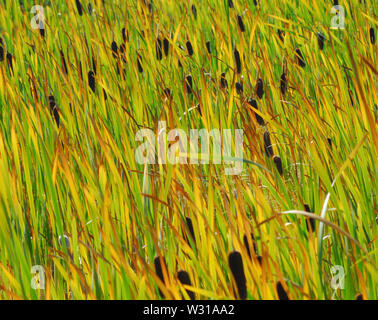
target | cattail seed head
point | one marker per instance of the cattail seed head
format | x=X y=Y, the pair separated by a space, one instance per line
x=189 y=84
x=158 y=49
x=321 y=38
x=283 y=83
x=253 y=103
x=223 y=81
x=194 y=11
x=239 y=87
x=240 y=23
x=10 y=61
x=139 y=62
x=189 y=225
x=267 y=144
x=359 y=296
x=329 y=140
x=184 y=278
x=189 y=48
x=259 y=88
x=208 y=46
x=125 y=35
x=235 y=263
x=237 y=61
x=299 y=58
x=372 y=35
x=166 y=46
x=2 y=50
x=91 y=81
x=114 y=50
x=246 y=244
x=230 y=4
x=64 y=62
x=54 y=109
x=282 y=295
x=310 y=222
x=281 y=34
x=278 y=163
x=79 y=7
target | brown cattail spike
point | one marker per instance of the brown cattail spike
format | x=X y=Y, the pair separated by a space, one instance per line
x=230 y=4
x=281 y=34
x=189 y=48
x=159 y=270
x=240 y=23
x=310 y=222
x=237 y=61
x=166 y=46
x=223 y=81
x=253 y=103
x=372 y=35
x=235 y=263
x=239 y=87
x=189 y=84
x=189 y=225
x=246 y=244
x=10 y=61
x=278 y=163
x=139 y=63
x=321 y=38
x=54 y=109
x=283 y=83
x=259 y=88
x=194 y=11
x=184 y=278
x=79 y=7
x=282 y=295
x=267 y=144
x=208 y=46
x=114 y=50
x=92 y=81
x=299 y=58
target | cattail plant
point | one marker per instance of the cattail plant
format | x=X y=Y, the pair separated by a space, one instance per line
x=253 y=103
x=237 y=61
x=320 y=38
x=194 y=11
x=267 y=144
x=91 y=81
x=125 y=35
x=282 y=295
x=310 y=222
x=189 y=84
x=281 y=34
x=235 y=263
x=230 y=4
x=158 y=49
x=223 y=81
x=184 y=279
x=159 y=270
x=283 y=83
x=240 y=23
x=372 y=35
x=259 y=88
x=329 y=140
x=189 y=48
x=166 y=46
x=79 y=7
x=239 y=87
x=278 y=162
x=299 y=58
x=54 y=109
x=208 y=46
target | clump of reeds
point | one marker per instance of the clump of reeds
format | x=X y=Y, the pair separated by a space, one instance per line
x=235 y=263
x=184 y=279
x=278 y=162
x=281 y=292
x=240 y=23
x=299 y=58
x=237 y=61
